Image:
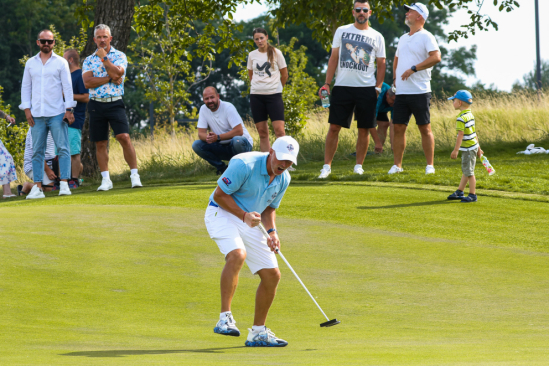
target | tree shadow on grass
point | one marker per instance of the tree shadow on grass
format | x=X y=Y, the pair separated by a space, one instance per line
x=417 y=204
x=124 y=353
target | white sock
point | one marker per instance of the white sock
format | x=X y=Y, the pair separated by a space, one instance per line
x=105 y=174
x=222 y=316
x=258 y=328
x=133 y=171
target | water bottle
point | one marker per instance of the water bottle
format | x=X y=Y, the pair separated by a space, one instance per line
x=487 y=165
x=325 y=98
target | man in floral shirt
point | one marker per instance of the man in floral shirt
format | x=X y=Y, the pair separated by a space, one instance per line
x=103 y=73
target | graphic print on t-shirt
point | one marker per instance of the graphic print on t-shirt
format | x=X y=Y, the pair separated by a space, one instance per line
x=355 y=52
x=266 y=66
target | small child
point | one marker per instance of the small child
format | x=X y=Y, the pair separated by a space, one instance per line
x=467 y=143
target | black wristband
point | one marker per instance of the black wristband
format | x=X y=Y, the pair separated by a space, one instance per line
x=272 y=230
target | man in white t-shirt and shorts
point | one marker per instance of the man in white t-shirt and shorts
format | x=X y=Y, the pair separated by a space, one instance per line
x=228 y=135
x=356 y=50
x=417 y=52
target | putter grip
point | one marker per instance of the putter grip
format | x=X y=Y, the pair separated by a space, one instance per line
x=265 y=234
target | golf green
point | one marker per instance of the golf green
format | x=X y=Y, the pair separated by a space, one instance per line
x=131 y=277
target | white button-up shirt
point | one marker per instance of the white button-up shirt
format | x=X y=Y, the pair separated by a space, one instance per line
x=44 y=85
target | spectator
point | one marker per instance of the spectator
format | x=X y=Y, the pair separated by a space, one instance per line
x=357 y=86
x=103 y=73
x=7 y=166
x=417 y=52
x=82 y=97
x=385 y=103
x=45 y=80
x=228 y=135
x=48 y=177
x=268 y=74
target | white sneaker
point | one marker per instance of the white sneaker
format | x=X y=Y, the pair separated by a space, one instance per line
x=64 y=189
x=430 y=169
x=136 y=182
x=106 y=184
x=291 y=168
x=227 y=326
x=325 y=171
x=358 y=169
x=264 y=338
x=395 y=169
x=35 y=193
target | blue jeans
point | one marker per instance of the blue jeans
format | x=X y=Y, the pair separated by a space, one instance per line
x=215 y=152
x=59 y=132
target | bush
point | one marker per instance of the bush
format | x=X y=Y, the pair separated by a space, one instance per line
x=13 y=137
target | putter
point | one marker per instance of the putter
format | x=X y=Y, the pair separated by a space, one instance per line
x=328 y=323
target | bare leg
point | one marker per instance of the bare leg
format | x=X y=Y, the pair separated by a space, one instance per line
x=102 y=155
x=428 y=143
x=129 y=151
x=76 y=166
x=332 y=139
x=463 y=183
x=382 y=128
x=391 y=133
x=263 y=131
x=362 y=145
x=278 y=127
x=399 y=143
x=472 y=184
x=7 y=189
x=270 y=277
x=229 y=277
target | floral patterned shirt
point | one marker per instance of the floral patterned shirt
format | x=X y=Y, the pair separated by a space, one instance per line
x=93 y=63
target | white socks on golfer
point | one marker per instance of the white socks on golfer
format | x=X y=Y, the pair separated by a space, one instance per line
x=105 y=174
x=133 y=171
x=258 y=328
x=222 y=316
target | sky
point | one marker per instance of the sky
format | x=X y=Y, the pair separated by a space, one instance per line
x=503 y=56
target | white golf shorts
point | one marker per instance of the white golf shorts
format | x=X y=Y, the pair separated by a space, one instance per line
x=230 y=233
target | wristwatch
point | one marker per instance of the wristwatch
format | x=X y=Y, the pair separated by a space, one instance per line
x=71 y=110
x=413 y=68
x=271 y=230
x=218 y=138
x=105 y=58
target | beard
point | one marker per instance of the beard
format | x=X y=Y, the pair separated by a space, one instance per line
x=46 y=49
x=361 y=20
x=407 y=22
x=212 y=106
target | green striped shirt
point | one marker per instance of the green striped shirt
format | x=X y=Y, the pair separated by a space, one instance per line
x=466 y=123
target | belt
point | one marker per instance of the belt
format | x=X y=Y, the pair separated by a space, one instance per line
x=107 y=99
x=212 y=204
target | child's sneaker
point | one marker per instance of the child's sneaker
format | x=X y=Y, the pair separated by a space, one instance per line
x=469 y=198
x=227 y=326
x=264 y=338
x=457 y=195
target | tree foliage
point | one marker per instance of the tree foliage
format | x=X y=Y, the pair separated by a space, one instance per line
x=13 y=137
x=530 y=80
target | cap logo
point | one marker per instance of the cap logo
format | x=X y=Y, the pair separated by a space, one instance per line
x=290 y=147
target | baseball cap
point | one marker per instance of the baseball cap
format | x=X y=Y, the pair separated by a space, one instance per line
x=420 y=8
x=464 y=96
x=286 y=148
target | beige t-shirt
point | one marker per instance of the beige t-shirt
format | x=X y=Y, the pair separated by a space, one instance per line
x=266 y=77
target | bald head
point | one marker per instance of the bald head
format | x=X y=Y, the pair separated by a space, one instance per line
x=210 y=89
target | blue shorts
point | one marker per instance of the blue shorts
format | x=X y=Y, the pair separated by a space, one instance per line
x=75 y=141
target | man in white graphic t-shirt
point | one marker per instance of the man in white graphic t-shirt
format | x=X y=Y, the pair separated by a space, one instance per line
x=417 y=52
x=356 y=50
x=227 y=136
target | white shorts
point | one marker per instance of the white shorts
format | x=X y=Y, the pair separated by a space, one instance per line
x=230 y=233
x=45 y=180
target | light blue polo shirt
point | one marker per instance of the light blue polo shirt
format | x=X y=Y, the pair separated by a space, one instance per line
x=247 y=181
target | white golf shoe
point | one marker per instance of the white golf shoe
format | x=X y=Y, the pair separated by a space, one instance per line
x=106 y=184
x=264 y=338
x=395 y=169
x=136 y=181
x=35 y=193
x=64 y=189
x=429 y=169
x=227 y=326
x=358 y=169
x=325 y=171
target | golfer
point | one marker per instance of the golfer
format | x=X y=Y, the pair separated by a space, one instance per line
x=248 y=193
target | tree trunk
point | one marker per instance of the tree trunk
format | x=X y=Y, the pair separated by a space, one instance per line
x=118 y=15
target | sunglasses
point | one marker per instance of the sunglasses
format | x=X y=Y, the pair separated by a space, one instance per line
x=48 y=41
x=364 y=10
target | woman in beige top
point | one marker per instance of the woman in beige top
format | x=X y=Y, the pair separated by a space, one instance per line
x=268 y=73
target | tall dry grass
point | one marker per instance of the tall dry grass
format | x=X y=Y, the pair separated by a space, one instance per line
x=517 y=117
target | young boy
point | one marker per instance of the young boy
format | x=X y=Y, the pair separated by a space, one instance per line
x=467 y=143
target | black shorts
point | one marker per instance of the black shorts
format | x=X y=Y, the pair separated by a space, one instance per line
x=267 y=105
x=408 y=104
x=382 y=117
x=361 y=100
x=103 y=114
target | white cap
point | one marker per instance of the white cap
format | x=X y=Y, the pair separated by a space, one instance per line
x=286 y=148
x=420 y=8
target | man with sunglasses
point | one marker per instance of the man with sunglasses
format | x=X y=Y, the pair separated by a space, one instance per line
x=356 y=50
x=103 y=73
x=45 y=80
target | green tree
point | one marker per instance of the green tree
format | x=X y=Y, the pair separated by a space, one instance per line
x=530 y=80
x=13 y=137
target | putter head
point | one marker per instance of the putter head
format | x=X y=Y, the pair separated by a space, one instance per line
x=330 y=323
